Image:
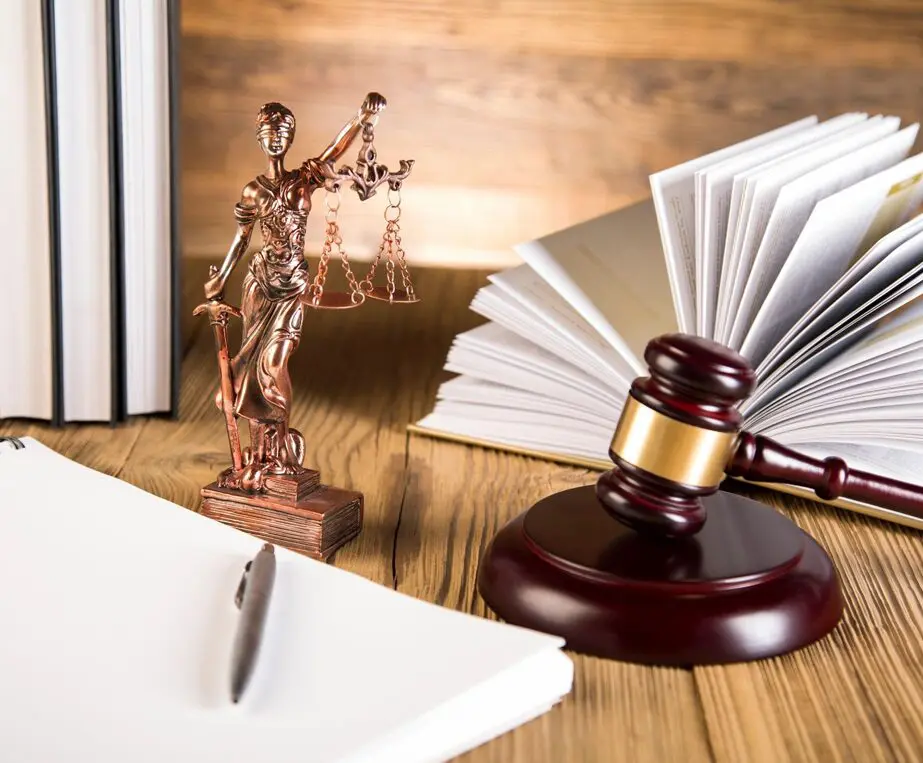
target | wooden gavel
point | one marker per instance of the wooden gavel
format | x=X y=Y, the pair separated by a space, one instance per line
x=679 y=436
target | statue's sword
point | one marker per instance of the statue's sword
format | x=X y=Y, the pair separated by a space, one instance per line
x=218 y=315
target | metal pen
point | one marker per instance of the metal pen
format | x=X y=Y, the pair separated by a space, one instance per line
x=252 y=599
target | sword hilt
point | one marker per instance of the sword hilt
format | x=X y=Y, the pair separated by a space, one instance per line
x=218 y=311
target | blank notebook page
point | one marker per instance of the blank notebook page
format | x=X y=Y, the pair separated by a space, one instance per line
x=116 y=624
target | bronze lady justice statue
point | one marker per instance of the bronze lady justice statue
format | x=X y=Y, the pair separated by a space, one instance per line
x=255 y=382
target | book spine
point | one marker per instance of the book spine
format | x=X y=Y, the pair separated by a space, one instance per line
x=54 y=217
x=173 y=58
x=116 y=226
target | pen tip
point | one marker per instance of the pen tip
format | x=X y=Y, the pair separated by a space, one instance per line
x=235 y=698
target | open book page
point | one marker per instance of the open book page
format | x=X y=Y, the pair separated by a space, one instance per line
x=786 y=155
x=839 y=338
x=611 y=271
x=720 y=201
x=712 y=205
x=494 y=354
x=885 y=422
x=475 y=391
x=899 y=301
x=882 y=374
x=792 y=209
x=734 y=171
x=878 y=390
x=885 y=381
x=530 y=290
x=876 y=284
x=543 y=436
x=843 y=295
x=118 y=633
x=674 y=198
x=493 y=304
x=860 y=267
x=897 y=340
x=840 y=227
x=848 y=413
x=761 y=189
x=883 y=364
x=523 y=419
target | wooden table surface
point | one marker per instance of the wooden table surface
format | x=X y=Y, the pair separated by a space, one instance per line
x=431 y=507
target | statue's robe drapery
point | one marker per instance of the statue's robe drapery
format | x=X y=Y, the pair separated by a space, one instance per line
x=272 y=310
x=272 y=313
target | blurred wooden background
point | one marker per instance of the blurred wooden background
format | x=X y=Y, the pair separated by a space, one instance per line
x=524 y=116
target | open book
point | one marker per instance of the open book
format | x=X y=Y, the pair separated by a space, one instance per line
x=799 y=248
x=117 y=620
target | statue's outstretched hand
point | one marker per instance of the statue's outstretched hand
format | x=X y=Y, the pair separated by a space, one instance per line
x=374 y=103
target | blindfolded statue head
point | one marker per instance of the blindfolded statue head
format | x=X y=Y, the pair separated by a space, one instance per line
x=275 y=129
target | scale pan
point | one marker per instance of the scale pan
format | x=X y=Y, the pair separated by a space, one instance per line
x=400 y=295
x=333 y=300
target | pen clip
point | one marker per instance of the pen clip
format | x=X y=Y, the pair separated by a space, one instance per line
x=242 y=586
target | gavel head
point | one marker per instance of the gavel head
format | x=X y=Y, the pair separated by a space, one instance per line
x=676 y=433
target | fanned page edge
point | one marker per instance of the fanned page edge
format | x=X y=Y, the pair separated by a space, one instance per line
x=567 y=261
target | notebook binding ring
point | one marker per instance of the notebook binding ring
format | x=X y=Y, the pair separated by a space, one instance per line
x=14 y=442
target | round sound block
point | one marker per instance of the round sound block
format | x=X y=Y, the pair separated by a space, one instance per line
x=749 y=585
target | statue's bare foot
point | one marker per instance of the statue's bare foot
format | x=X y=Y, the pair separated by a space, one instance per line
x=294 y=443
x=252 y=478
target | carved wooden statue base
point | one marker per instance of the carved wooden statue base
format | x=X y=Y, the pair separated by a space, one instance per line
x=296 y=512
x=749 y=585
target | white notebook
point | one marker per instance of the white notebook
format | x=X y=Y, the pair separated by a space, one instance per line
x=116 y=624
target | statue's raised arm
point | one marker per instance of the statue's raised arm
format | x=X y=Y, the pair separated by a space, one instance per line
x=373 y=104
x=321 y=168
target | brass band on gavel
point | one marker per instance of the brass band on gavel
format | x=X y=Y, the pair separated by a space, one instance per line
x=669 y=448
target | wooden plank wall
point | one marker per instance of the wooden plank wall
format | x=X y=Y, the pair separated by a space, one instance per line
x=524 y=116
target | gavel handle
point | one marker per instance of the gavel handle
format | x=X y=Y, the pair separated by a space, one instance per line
x=760 y=459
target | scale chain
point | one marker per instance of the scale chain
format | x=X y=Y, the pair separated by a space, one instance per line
x=334 y=239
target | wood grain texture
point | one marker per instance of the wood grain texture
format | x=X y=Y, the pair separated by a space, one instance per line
x=524 y=117
x=722 y=30
x=432 y=507
x=850 y=696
